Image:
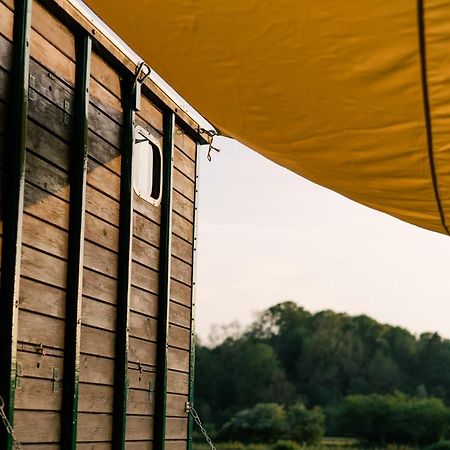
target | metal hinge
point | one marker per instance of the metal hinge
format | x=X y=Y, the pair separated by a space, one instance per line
x=56 y=379
x=19 y=376
x=66 y=118
x=32 y=88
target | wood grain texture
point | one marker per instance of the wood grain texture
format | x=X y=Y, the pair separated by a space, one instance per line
x=39 y=329
x=38 y=394
x=139 y=428
x=143 y=301
x=37 y=426
x=46 y=206
x=35 y=365
x=177 y=382
x=52 y=58
x=41 y=298
x=53 y=31
x=94 y=427
x=42 y=267
x=6 y=22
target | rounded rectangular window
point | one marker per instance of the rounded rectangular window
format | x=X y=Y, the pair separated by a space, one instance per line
x=147 y=166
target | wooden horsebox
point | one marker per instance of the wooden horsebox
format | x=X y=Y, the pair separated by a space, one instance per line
x=96 y=320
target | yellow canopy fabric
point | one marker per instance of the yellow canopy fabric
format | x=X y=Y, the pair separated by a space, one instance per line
x=351 y=94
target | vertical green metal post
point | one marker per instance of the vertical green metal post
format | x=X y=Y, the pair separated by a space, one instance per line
x=124 y=267
x=165 y=251
x=13 y=198
x=78 y=173
x=193 y=297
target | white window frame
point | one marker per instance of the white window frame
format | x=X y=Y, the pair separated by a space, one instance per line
x=141 y=135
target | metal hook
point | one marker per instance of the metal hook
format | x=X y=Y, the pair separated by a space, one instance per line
x=143 y=71
x=209 y=151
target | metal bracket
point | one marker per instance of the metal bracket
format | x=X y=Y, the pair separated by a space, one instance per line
x=40 y=349
x=19 y=376
x=56 y=379
x=188 y=407
x=32 y=88
x=66 y=118
x=142 y=73
x=151 y=389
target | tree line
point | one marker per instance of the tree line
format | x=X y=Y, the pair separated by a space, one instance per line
x=290 y=356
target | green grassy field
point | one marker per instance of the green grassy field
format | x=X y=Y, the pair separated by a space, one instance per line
x=326 y=444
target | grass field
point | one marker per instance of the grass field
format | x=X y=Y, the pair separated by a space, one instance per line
x=326 y=444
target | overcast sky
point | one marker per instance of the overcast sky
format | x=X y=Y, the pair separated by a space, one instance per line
x=266 y=235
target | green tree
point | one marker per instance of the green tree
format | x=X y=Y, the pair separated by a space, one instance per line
x=305 y=425
x=265 y=422
x=394 y=418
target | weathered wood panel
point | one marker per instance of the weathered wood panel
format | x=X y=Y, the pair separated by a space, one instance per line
x=94 y=427
x=105 y=75
x=176 y=405
x=140 y=402
x=179 y=337
x=42 y=312
x=187 y=145
x=97 y=370
x=139 y=428
x=176 y=428
x=143 y=301
x=143 y=327
x=177 y=382
x=39 y=329
x=53 y=31
x=6 y=21
x=42 y=298
x=96 y=399
x=96 y=342
x=37 y=426
x=178 y=359
x=38 y=394
x=180 y=315
x=182 y=249
x=48 y=207
x=58 y=64
x=39 y=365
x=43 y=267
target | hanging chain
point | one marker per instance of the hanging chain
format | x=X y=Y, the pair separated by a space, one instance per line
x=9 y=428
x=191 y=410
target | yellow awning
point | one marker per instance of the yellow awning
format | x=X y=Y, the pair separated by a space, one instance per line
x=353 y=95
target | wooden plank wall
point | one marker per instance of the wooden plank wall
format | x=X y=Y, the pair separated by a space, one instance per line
x=45 y=232
x=6 y=32
x=45 y=244
x=184 y=182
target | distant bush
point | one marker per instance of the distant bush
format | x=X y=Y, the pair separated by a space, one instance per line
x=441 y=445
x=305 y=425
x=231 y=446
x=256 y=447
x=265 y=422
x=269 y=422
x=394 y=418
x=286 y=445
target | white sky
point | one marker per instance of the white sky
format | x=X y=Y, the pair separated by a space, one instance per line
x=267 y=235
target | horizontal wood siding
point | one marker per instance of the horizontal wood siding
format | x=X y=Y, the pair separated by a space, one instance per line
x=6 y=32
x=143 y=304
x=38 y=400
x=96 y=396
x=45 y=237
x=181 y=289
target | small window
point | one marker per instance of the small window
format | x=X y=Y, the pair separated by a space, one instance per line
x=147 y=166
